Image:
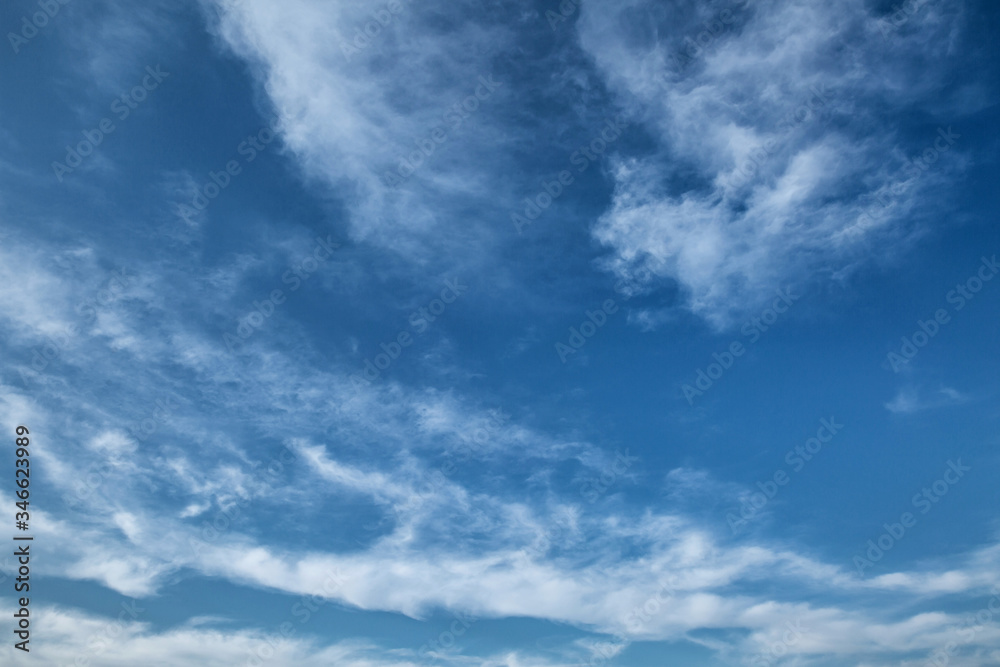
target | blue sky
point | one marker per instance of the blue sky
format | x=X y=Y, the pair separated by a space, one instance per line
x=512 y=334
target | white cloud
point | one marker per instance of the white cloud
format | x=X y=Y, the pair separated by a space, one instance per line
x=125 y=638
x=349 y=118
x=470 y=543
x=479 y=550
x=908 y=400
x=772 y=142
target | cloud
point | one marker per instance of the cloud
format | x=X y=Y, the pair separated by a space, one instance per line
x=355 y=117
x=908 y=400
x=125 y=638
x=471 y=542
x=177 y=432
x=110 y=37
x=777 y=157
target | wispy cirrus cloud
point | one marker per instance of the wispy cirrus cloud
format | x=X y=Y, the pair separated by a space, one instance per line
x=767 y=146
x=746 y=165
x=911 y=399
x=424 y=93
